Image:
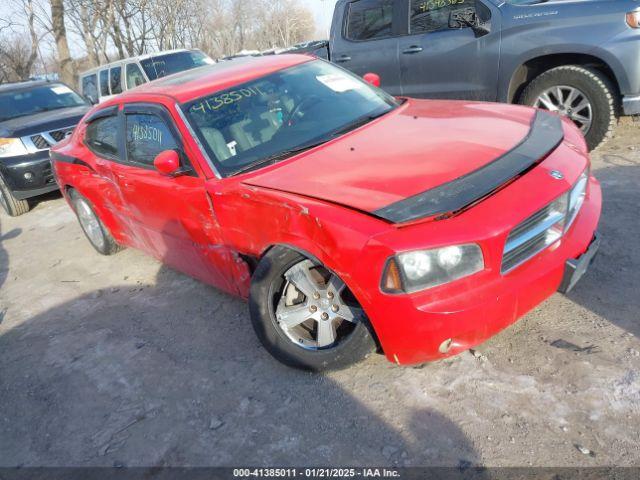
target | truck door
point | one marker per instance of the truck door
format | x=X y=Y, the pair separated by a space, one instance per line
x=364 y=39
x=442 y=56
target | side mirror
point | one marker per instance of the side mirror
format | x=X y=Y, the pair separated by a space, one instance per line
x=167 y=162
x=372 y=78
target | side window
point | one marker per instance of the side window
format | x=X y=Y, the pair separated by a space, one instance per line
x=104 y=83
x=101 y=136
x=146 y=136
x=115 y=80
x=370 y=19
x=134 y=76
x=89 y=87
x=434 y=15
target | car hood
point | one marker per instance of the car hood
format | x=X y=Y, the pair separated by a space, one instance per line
x=416 y=148
x=42 y=121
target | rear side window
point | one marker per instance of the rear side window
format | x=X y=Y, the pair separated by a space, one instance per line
x=102 y=136
x=104 y=83
x=370 y=19
x=134 y=76
x=146 y=136
x=90 y=87
x=434 y=15
x=115 y=80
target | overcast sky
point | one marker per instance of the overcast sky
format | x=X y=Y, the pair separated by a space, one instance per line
x=322 y=12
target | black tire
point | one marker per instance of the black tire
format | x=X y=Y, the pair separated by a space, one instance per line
x=11 y=204
x=106 y=245
x=595 y=85
x=262 y=298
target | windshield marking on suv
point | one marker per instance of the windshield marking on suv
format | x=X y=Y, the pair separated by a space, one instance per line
x=37 y=99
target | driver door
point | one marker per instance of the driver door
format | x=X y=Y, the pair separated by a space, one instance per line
x=170 y=216
x=441 y=57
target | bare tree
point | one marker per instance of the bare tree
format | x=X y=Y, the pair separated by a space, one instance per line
x=59 y=30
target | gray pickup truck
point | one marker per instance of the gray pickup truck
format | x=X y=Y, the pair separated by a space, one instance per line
x=578 y=57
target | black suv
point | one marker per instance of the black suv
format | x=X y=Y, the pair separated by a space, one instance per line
x=34 y=116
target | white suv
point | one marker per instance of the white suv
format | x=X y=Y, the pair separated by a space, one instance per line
x=105 y=81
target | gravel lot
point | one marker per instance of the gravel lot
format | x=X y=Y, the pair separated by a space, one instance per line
x=121 y=361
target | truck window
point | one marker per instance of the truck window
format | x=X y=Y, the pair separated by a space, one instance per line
x=433 y=15
x=104 y=83
x=370 y=19
x=163 y=65
x=134 y=76
x=90 y=87
x=116 y=83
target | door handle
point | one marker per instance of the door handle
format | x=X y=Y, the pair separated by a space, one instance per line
x=343 y=58
x=412 y=49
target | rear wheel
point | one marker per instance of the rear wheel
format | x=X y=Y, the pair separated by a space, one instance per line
x=11 y=204
x=304 y=314
x=92 y=226
x=585 y=95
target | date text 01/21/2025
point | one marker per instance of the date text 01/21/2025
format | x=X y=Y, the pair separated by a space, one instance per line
x=316 y=472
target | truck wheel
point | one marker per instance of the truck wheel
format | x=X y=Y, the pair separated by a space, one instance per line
x=11 y=204
x=92 y=226
x=305 y=316
x=583 y=94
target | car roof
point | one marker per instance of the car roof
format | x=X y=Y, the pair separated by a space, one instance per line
x=137 y=58
x=201 y=81
x=10 y=87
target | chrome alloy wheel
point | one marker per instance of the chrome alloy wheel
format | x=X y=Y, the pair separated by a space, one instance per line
x=90 y=223
x=315 y=309
x=568 y=101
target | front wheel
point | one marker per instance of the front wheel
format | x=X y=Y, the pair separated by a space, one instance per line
x=304 y=314
x=11 y=204
x=585 y=95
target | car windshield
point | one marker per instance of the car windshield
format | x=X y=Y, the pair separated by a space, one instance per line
x=27 y=101
x=280 y=114
x=163 y=65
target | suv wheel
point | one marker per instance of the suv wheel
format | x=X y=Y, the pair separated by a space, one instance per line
x=92 y=226
x=11 y=204
x=304 y=314
x=585 y=95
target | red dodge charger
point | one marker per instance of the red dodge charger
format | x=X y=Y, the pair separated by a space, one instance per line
x=351 y=220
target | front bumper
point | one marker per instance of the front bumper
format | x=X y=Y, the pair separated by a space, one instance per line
x=631 y=104
x=425 y=327
x=13 y=170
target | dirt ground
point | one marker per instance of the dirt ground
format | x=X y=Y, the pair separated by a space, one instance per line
x=121 y=361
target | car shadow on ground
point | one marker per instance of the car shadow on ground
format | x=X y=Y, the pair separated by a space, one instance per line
x=172 y=374
x=35 y=201
x=610 y=287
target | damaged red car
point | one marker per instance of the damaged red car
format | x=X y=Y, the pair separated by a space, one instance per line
x=352 y=221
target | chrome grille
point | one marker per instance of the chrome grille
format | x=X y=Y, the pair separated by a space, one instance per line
x=532 y=236
x=545 y=227
x=58 y=135
x=40 y=142
x=45 y=140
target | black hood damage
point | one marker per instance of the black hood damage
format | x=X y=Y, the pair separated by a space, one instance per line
x=545 y=135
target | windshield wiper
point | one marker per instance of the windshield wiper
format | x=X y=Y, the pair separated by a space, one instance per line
x=331 y=135
x=271 y=159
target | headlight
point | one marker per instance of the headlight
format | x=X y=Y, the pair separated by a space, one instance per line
x=422 y=269
x=11 y=147
x=576 y=198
